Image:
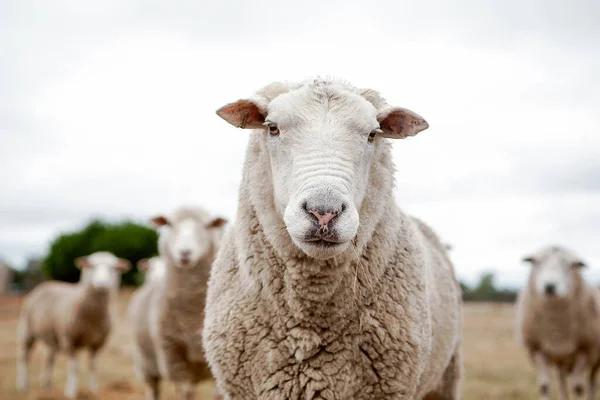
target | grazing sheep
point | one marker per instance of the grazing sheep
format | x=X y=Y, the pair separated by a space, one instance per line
x=167 y=314
x=323 y=288
x=70 y=317
x=558 y=321
x=154 y=267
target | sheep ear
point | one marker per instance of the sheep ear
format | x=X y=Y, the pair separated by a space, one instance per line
x=529 y=259
x=142 y=265
x=159 y=221
x=243 y=114
x=217 y=222
x=399 y=123
x=579 y=264
x=123 y=265
x=82 y=262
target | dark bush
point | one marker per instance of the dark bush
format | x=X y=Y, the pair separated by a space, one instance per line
x=487 y=291
x=125 y=239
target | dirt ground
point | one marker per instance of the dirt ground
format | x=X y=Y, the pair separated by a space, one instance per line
x=496 y=368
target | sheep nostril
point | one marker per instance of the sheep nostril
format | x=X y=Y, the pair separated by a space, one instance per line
x=550 y=289
x=305 y=206
x=323 y=217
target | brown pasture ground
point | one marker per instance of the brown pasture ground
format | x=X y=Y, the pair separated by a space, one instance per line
x=495 y=366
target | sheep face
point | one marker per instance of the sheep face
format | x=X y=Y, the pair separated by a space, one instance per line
x=555 y=272
x=189 y=238
x=102 y=270
x=154 y=267
x=322 y=140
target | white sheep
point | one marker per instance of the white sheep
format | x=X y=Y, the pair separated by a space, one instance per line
x=70 y=317
x=154 y=267
x=558 y=321
x=167 y=314
x=323 y=288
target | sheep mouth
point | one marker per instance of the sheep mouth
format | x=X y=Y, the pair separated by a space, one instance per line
x=323 y=242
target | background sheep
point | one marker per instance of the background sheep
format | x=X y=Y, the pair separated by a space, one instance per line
x=154 y=267
x=323 y=288
x=558 y=321
x=70 y=317
x=167 y=314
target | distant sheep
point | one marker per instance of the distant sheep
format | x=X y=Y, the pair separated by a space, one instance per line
x=70 y=317
x=154 y=267
x=558 y=321
x=323 y=288
x=167 y=314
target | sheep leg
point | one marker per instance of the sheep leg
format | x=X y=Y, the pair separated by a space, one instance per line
x=152 y=387
x=71 y=386
x=579 y=373
x=23 y=364
x=543 y=371
x=93 y=382
x=593 y=377
x=562 y=379
x=46 y=375
x=185 y=391
x=151 y=378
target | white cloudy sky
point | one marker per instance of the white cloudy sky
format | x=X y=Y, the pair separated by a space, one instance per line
x=107 y=109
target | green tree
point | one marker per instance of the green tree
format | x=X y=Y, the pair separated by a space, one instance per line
x=125 y=239
x=485 y=291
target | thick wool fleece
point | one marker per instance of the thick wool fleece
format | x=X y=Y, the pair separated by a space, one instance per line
x=180 y=322
x=167 y=319
x=561 y=328
x=381 y=322
x=66 y=316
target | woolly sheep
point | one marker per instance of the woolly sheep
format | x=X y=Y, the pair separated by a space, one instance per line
x=166 y=315
x=323 y=288
x=70 y=317
x=558 y=321
x=154 y=267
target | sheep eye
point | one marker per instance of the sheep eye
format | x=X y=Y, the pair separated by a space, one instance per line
x=372 y=136
x=273 y=130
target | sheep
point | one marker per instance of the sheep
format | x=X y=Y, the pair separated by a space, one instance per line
x=323 y=288
x=70 y=317
x=166 y=314
x=154 y=267
x=558 y=321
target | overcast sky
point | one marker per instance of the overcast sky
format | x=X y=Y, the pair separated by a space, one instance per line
x=107 y=108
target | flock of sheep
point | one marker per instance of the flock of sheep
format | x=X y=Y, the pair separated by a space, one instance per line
x=322 y=288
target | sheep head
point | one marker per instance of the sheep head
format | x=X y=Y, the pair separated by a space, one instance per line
x=189 y=236
x=102 y=269
x=322 y=139
x=555 y=272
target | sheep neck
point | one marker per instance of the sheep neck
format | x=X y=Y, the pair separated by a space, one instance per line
x=186 y=287
x=94 y=303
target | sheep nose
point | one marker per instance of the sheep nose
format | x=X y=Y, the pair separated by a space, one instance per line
x=324 y=208
x=550 y=289
x=185 y=254
x=323 y=217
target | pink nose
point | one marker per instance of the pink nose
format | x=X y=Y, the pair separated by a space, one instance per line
x=323 y=218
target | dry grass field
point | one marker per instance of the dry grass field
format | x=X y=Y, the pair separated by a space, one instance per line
x=496 y=368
